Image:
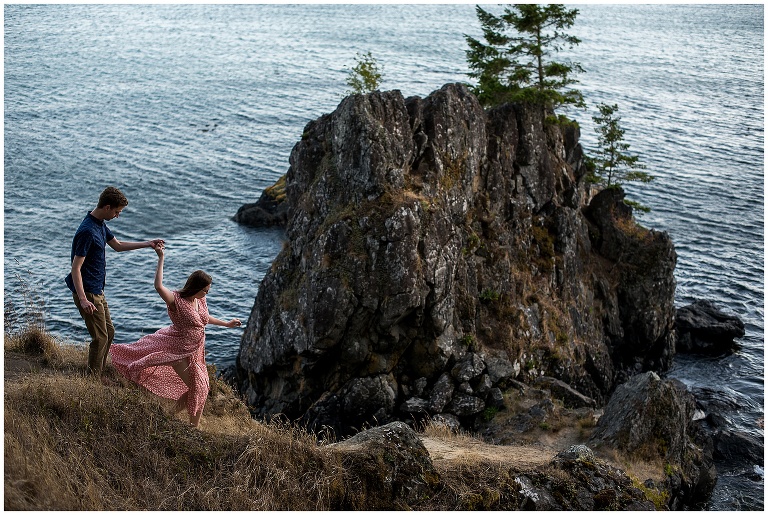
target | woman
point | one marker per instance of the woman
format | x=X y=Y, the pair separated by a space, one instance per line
x=171 y=362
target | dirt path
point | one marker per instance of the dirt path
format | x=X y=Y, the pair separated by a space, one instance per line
x=470 y=450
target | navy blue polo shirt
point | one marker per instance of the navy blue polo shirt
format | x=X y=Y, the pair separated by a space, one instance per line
x=90 y=241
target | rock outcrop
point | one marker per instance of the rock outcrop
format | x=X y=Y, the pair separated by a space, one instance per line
x=270 y=210
x=702 y=328
x=393 y=466
x=395 y=471
x=437 y=251
x=653 y=419
x=577 y=481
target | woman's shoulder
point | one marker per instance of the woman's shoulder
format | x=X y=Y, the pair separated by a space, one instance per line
x=176 y=297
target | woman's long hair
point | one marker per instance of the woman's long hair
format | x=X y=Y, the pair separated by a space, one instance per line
x=196 y=281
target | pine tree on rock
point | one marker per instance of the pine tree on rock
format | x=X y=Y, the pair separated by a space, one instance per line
x=521 y=67
x=613 y=164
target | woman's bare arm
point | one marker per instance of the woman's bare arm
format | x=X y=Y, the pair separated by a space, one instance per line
x=165 y=293
x=235 y=322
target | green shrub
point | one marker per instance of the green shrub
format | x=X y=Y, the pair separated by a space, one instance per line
x=365 y=76
x=489 y=295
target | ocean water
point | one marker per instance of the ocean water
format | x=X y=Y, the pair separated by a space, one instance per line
x=192 y=110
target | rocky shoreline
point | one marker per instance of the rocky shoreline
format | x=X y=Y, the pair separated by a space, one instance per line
x=441 y=258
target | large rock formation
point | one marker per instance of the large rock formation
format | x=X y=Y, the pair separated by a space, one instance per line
x=435 y=251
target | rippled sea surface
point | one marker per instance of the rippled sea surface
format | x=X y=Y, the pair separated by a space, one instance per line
x=192 y=110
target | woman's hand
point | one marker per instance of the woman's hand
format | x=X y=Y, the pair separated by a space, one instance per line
x=235 y=322
x=159 y=249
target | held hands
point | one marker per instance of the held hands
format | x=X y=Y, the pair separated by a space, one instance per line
x=235 y=322
x=158 y=246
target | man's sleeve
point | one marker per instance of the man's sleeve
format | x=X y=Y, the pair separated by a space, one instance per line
x=82 y=243
x=108 y=234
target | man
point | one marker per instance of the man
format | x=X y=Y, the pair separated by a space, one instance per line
x=89 y=270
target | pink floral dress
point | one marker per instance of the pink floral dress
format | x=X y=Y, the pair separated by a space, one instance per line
x=148 y=361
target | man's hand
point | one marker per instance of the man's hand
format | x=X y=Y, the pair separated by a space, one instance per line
x=155 y=243
x=88 y=306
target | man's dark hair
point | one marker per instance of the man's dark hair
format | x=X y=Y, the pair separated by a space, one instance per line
x=112 y=196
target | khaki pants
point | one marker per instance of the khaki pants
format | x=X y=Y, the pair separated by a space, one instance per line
x=100 y=328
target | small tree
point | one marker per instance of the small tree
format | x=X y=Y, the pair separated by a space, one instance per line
x=515 y=68
x=613 y=165
x=366 y=75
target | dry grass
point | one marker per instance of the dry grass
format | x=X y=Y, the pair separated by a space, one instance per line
x=492 y=485
x=635 y=467
x=443 y=432
x=72 y=443
x=36 y=342
x=631 y=228
x=277 y=190
x=477 y=486
x=639 y=471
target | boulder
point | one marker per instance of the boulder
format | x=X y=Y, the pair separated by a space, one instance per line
x=465 y=387
x=415 y=405
x=362 y=401
x=468 y=368
x=391 y=465
x=703 y=328
x=463 y=405
x=483 y=385
x=738 y=450
x=652 y=419
x=577 y=452
x=442 y=393
x=498 y=366
x=271 y=209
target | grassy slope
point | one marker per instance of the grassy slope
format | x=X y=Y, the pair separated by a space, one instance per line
x=72 y=443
